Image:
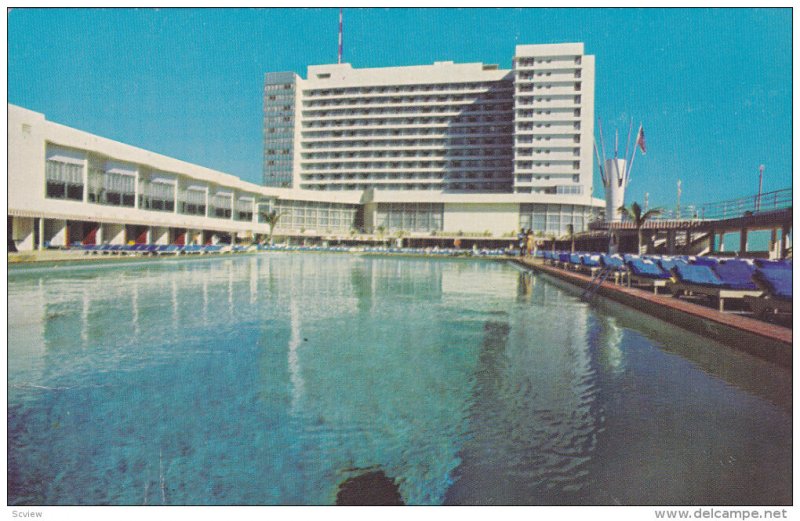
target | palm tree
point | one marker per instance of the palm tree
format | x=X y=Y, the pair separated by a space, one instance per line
x=272 y=218
x=634 y=213
x=571 y=237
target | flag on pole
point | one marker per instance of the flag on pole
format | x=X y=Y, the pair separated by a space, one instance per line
x=640 y=140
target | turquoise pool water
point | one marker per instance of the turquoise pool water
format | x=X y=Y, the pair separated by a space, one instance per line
x=270 y=379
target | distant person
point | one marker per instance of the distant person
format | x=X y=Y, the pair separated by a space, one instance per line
x=530 y=242
x=521 y=241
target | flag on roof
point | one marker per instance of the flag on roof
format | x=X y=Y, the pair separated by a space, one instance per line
x=640 y=140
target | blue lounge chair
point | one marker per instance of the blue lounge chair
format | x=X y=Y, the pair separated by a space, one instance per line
x=617 y=264
x=646 y=273
x=777 y=286
x=706 y=261
x=700 y=279
x=590 y=263
x=667 y=263
x=574 y=261
x=736 y=274
x=773 y=264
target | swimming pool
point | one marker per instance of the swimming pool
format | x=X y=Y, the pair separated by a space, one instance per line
x=272 y=378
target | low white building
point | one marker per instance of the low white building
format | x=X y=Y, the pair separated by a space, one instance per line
x=66 y=186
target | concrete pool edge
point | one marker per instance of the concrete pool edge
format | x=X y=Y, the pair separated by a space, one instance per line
x=761 y=339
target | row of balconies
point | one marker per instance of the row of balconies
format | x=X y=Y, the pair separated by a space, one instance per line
x=549 y=62
x=527 y=153
x=411 y=123
x=398 y=152
x=416 y=176
x=536 y=176
x=406 y=131
x=549 y=116
x=466 y=187
x=439 y=88
x=430 y=101
x=532 y=123
x=394 y=167
x=412 y=143
x=553 y=103
x=415 y=111
x=551 y=90
x=506 y=115
x=527 y=79
x=545 y=75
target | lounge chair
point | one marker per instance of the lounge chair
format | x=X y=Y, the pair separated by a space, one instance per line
x=776 y=284
x=773 y=264
x=667 y=263
x=736 y=274
x=617 y=264
x=702 y=280
x=706 y=261
x=590 y=262
x=575 y=262
x=169 y=249
x=646 y=273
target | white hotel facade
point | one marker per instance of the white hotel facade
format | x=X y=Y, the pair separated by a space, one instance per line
x=434 y=150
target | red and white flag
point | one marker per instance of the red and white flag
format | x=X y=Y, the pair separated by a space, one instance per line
x=640 y=139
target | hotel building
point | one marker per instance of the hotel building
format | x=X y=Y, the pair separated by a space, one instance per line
x=433 y=150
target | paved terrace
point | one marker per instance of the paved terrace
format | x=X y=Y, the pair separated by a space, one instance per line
x=762 y=339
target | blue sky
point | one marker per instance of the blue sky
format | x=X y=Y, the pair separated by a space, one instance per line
x=712 y=86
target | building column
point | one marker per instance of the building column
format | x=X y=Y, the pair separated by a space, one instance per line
x=670 y=242
x=98 y=238
x=742 y=241
x=712 y=242
x=41 y=234
x=149 y=236
x=785 y=229
x=136 y=189
x=721 y=242
x=85 y=175
x=773 y=244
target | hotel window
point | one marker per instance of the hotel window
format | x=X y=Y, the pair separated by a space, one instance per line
x=221 y=206
x=157 y=195
x=193 y=201
x=244 y=209
x=119 y=189
x=63 y=180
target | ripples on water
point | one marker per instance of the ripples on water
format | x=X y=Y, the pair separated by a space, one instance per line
x=271 y=379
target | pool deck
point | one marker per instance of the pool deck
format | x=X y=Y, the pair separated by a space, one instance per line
x=769 y=341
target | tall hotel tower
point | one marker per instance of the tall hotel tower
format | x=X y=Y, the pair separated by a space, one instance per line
x=441 y=133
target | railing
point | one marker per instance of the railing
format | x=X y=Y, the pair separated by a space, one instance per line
x=750 y=205
x=732 y=208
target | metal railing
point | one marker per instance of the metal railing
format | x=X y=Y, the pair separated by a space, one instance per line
x=752 y=204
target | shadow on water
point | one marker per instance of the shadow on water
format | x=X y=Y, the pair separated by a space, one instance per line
x=742 y=370
x=369 y=488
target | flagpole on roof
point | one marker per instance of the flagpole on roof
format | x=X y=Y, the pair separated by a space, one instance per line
x=639 y=143
x=627 y=147
x=599 y=163
x=602 y=142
